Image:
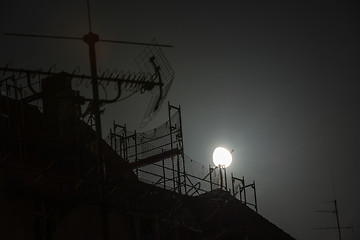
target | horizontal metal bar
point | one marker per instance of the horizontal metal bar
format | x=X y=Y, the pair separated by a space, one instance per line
x=155 y=158
x=326 y=211
x=249 y=185
x=136 y=43
x=42 y=36
x=80 y=38
x=323 y=228
x=110 y=79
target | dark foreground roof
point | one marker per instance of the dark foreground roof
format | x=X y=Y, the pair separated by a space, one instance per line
x=50 y=189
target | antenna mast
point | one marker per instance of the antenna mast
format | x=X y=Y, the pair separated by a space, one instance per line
x=142 y=82
x=335 y=211
x=89 y=16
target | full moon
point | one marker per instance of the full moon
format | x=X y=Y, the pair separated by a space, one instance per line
x=222 y=157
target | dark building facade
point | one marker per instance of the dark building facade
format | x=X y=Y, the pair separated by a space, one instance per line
x=50 y=186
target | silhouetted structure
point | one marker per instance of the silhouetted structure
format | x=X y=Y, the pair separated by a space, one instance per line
x=49 y=184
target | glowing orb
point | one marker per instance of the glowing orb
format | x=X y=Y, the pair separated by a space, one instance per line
x=222 y=157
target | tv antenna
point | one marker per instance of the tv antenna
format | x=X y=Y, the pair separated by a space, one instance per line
x=152 y=63
x=334 y=211
x=158 y=69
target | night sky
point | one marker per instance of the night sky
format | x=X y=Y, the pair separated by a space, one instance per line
x=275 y=81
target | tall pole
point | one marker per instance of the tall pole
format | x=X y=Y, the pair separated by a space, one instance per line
x=221 y=177
x=232 y=184
x=225 y=178
x=91 y=39
x=337 y=219
x=210 y=172
x=182 y=149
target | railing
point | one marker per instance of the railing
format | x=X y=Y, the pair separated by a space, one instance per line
x=157 y=157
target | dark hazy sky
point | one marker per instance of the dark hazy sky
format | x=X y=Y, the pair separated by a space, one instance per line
x=277 y=81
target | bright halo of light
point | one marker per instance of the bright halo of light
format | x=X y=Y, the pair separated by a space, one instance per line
x=222 y=157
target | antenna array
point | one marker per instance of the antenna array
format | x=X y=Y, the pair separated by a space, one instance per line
x=160 y=70
x=153 y=59
x=131 y=82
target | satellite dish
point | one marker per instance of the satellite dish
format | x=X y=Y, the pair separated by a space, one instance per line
x=153 y=60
